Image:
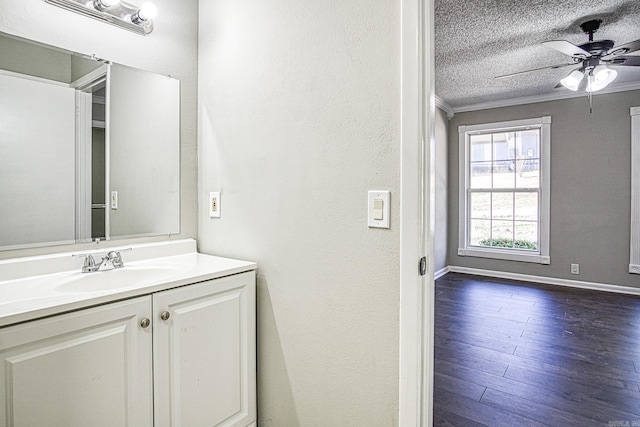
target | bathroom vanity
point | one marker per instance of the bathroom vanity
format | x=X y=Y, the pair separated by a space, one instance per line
x=167 y=340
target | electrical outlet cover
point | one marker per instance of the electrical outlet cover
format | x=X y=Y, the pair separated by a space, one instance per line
x=214 y=204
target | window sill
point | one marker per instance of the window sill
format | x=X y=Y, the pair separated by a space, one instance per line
x=505 y=255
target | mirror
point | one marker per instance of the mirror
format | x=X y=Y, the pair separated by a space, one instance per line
x=88 y=149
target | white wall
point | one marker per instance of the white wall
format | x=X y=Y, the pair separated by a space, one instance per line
x=170 y=49
x=441 y=184
x=298 y=117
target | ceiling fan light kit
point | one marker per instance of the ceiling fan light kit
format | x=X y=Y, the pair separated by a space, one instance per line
x=600 y=77
x=572 y=81
x=594 y=59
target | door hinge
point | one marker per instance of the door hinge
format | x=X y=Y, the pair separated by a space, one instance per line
x=423 y=265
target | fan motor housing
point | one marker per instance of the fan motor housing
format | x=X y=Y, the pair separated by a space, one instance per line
x=598 y=47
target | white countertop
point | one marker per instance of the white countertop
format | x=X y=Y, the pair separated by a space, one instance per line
x=28 y=298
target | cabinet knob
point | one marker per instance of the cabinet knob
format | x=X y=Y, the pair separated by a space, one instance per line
x=145 y=322
x=165 y=315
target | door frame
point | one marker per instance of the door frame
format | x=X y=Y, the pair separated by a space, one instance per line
x=417 y=218
x=84 y=88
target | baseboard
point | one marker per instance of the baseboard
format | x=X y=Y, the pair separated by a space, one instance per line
x=438 y=274
x=546 y=280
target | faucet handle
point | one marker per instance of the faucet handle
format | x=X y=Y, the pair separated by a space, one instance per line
x=116 y=258
x=89 y=262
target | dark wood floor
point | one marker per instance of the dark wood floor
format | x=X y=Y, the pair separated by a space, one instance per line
x=519 y=354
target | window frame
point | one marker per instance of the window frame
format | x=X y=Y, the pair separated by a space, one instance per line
x=634 y=258
x=541 y=256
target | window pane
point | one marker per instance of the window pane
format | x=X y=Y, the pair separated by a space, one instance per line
x=503 y=146
x=526 y=206
x=503 y=175
x=480 y=232
x=480 y=148
x=502 y=206
x=527 y=173
x=528 y=159
x=502 y=234
x=480 y=175
x=480 y=206
x=503 y=165
x=528 y=144
x=526 y=235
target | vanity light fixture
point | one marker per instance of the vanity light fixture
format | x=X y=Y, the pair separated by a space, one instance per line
x=103 y=5
x=146 y=13
x=115 y=12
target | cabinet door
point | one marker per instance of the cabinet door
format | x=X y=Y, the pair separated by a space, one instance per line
x=87 y=368
x=205 y=354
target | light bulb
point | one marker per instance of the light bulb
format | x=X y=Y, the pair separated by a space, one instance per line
x=600 y=77
x=572 y=81
x=147 y=11
x=604 y=74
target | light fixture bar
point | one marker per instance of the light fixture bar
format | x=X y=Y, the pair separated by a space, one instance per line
x=119 y=15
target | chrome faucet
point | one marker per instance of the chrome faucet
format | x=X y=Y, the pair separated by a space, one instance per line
x=89 y=265
x=111 y=260
x=115 y=258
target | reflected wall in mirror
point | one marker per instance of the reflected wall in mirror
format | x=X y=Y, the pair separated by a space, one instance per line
x=88 y=149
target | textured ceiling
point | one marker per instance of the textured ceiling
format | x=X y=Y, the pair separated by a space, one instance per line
x=477 y=40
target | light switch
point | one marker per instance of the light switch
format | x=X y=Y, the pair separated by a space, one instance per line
x=114 y=200
x=378 y=209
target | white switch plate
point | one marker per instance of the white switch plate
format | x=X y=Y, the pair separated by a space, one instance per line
x=384 y=196
x=114 y=200
x=214 y=204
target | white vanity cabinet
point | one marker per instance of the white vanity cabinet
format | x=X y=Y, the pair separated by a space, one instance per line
x=183 y=357
x=91 y=367
x=204 y=354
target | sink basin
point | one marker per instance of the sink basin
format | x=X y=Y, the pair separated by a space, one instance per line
x=117 y=278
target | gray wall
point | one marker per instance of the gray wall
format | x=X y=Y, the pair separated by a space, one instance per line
x=170 y=49
x=441 y=184
x=590 y=187
x=299 y=115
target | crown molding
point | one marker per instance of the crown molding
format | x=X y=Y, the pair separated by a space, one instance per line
x=624 y=87
x=442 y=104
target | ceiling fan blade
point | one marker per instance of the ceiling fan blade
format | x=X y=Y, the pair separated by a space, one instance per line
x=551 y=67
x=622 y=49
x=567 y=48
x=624 y=60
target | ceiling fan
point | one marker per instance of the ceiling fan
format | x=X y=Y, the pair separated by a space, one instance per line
x=593 y=59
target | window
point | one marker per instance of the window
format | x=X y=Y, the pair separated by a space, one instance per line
x=504 y=190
